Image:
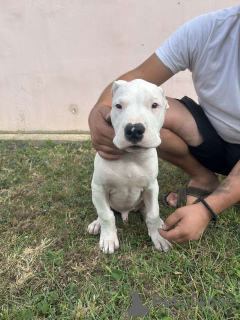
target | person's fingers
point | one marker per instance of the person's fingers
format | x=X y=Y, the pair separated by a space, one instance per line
x=109 y=156
x=108 y=118
x=103 y=128
x=173 y=235
x=101 y=142
x=180 y=240
x=102 y=133
x=174 y=218
x=106 y=149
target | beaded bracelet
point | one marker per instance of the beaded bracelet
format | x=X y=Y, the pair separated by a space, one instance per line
x=209 y=208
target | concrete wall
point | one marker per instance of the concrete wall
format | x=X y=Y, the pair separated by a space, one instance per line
x=57 y=56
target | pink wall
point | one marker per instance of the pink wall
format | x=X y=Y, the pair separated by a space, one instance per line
x=58 y=55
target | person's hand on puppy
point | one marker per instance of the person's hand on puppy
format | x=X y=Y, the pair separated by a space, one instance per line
x=102 y=133
x=191 y=222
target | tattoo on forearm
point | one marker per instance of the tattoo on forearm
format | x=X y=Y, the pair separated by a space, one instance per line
x=229 y=184
x=223 y=188
x=236 y=170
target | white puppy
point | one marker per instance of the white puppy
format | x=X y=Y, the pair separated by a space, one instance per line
x=130 y=183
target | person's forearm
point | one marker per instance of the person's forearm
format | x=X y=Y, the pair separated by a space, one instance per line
x=228 y=193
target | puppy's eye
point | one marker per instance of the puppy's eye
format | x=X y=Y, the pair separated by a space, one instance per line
x=118 y=106
x=154 y=105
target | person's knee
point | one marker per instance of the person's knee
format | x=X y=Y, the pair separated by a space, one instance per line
x=180 y=121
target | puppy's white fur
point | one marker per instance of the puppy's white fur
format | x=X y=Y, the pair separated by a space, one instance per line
x=130 y=183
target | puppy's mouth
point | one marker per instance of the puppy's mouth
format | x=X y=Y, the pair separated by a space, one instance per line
x=136 y=147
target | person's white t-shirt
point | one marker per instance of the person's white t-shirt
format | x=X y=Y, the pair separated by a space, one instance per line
x=209 y=46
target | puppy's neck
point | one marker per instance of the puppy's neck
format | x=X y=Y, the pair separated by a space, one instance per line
x=139 y=154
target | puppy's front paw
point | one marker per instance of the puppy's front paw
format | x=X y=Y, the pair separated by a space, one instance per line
x=160 y=243
x=109 y=243
x=94 y=227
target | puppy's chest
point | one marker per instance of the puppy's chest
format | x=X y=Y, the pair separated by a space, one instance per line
x=129 y=176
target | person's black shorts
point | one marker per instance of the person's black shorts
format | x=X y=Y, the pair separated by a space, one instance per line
x=214 y=153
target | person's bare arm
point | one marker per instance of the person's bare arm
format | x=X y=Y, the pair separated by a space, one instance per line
x=192 y=220
x=102 y=134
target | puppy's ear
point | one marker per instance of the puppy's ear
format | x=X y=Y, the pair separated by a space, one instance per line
x=116 y=85
x=165 y=100
x=166 y=103
x=161 y=90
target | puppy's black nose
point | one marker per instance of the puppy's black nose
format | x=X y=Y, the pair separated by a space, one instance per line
x=134 y=132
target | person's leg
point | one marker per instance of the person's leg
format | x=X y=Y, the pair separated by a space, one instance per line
x=178 y=133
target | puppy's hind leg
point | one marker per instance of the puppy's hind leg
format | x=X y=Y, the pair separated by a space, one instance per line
x=94 y=227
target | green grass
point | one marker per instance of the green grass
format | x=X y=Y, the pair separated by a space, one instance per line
x=50 y=268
